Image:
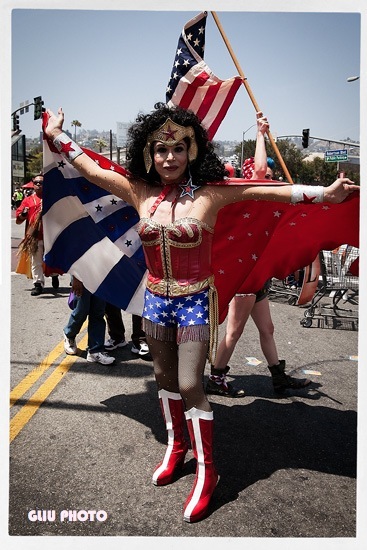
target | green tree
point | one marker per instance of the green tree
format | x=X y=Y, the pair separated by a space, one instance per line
x=315 y=171
x=76 y=125
x=290 y=154
x=34 y=161
x=100 y=144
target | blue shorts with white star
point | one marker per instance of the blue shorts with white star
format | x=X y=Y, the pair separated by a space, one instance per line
x=182 y=311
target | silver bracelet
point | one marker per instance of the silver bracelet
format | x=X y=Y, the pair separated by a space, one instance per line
x=307 y=193
x=67 y=147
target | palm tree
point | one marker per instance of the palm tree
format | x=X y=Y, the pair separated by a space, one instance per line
x=100 y=143
x=76 y=124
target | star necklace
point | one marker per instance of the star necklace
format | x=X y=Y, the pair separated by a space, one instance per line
x=187 y=188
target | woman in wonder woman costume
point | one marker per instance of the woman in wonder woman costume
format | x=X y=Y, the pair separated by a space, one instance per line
x=170 y=162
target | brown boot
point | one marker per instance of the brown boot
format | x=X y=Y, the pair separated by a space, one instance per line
x=282 y=381
x=218 y=385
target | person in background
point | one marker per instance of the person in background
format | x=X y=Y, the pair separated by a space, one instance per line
x=30 y=211
x=116 y=331
x=17 y=198
x=255 y=304
x=87 y=305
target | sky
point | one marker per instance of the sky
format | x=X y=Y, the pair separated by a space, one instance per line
x=104 y=66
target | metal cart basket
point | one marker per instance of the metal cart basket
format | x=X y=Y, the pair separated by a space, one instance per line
x=289 y=288
x=335 y=303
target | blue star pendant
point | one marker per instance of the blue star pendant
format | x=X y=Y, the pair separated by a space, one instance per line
x=188 y=188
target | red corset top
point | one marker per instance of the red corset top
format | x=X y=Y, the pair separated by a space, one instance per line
x=178 y=255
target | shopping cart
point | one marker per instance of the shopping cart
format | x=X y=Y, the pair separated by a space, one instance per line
x=289 y=288
x=335 y=303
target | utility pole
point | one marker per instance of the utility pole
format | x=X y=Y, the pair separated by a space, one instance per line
x=24 y=108
x=350 y=143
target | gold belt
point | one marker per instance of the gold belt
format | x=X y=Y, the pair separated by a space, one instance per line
x=173 y=288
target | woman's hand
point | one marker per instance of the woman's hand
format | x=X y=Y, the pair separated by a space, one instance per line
x=262 y=123
x=54 y=123
x=339 y=190
x=77 y=286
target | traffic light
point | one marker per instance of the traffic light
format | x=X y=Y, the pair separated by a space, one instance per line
x=38 y=109
x=306 y=135
x=15 y=122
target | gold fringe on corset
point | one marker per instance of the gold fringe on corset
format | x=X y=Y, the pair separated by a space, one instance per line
x=213 y=323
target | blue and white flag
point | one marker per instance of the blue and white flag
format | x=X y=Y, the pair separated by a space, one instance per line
x=92 y=234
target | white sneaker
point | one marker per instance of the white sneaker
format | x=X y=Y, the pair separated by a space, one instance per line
x=111 y=344
x=143 y=350
x=100 y=357
x=70 y=345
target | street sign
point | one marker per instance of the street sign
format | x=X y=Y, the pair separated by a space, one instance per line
x=18 y=168
x=336 y=156
x=121 y=134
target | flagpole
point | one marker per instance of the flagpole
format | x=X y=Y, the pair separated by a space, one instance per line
x=252 y=97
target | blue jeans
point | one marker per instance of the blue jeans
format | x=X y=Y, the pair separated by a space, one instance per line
x=88 y=305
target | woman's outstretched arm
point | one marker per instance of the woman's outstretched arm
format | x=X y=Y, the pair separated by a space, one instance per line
x=111 y=181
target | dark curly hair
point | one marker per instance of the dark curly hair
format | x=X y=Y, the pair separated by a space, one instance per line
x=207 y=167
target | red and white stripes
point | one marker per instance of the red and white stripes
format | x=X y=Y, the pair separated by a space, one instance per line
x=200 y=426
x=173 y=413
x=206 y=95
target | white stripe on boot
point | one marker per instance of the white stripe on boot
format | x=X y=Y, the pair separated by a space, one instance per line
x=173 y=414
x=200 y=426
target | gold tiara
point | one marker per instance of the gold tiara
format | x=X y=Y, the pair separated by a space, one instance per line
x=170 y=133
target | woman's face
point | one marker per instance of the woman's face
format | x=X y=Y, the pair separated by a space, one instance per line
x=269 y=174
x=170 y=162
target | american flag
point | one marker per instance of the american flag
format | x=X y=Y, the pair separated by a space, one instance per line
x=92 y=234
x=192 y=84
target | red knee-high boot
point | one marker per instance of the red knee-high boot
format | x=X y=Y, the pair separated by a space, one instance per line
x=200 y=426
x=177 y=447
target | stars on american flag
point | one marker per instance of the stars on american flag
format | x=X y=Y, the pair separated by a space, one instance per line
x=184 y=60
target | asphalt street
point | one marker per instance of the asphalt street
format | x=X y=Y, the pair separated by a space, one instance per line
x=86 y=437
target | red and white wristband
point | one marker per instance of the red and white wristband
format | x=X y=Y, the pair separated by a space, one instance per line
x=307 y=193
x=67 y=147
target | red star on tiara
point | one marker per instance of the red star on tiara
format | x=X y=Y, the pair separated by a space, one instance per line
x=169 y=133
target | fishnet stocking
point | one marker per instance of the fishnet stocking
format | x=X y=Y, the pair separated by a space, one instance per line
x=180 y=368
